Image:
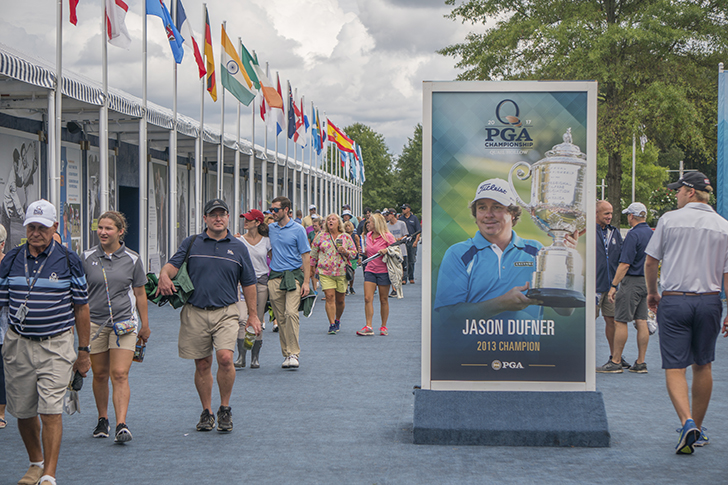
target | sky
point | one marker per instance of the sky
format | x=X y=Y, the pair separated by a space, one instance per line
x=357 y=60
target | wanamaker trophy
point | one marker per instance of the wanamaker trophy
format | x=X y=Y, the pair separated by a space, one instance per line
x=558 y=207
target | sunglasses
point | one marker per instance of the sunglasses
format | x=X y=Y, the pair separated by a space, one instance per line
x=275 y=209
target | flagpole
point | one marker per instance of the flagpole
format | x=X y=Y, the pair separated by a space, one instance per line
x=55 y=148
x=172 y=192
x=264 y=161
x=221 y=149
x=285 y=167
x=104 y=120
x=143 y=163
x=303 y=152
x=236 y=166
x=196 y=224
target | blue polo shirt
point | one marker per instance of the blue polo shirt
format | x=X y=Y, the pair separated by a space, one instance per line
x=472 y=272
x=215 y=268
x=288 y=243
x=633 y=249
x=61 y=284
x=609 y=246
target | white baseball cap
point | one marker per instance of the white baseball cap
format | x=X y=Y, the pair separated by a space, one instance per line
x=496 y=189
x=42 y=212
x=347 y=212
x=312 y=207
x=636 y=209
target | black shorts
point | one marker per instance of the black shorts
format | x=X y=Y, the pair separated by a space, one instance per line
x=689 y=328
x=381 y=279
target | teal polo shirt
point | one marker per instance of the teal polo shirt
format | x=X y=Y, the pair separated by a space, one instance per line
x=472 y=272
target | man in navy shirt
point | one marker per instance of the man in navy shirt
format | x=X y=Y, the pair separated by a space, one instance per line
x=630 y=302
x=44 y=287
x=413 y=225
x=209 y=319
x=609 y=247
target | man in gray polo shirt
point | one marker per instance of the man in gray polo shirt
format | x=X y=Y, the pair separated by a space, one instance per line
x=692 y=243
x=209 y=319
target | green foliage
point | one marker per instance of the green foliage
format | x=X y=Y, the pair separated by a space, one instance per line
x=655 y=61
x=409 y=173
x=378 y=190
x=662 y=200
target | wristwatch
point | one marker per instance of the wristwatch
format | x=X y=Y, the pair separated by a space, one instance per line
x=615 y=286
x=85 y=349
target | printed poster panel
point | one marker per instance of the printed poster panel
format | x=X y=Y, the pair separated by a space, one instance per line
x=157 y=216
x=94 y=191
x=70 y=218
x=19 y=183
x=511 y=185
x=228 y=195
x=183 y=196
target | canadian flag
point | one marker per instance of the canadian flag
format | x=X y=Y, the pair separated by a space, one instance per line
x=116 y=25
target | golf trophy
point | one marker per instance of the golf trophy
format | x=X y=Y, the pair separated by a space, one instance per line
x=558 y=207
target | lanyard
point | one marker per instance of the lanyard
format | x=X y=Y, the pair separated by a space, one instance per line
x=106 y=286
x=605 y=239
x=35 y=280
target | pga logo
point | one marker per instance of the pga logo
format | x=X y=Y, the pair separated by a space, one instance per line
x=498 y=365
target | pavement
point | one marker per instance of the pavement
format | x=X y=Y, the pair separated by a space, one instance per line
x=346 y=417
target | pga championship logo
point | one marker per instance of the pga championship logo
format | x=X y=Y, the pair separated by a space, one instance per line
x=508 y=130
x=498 y=365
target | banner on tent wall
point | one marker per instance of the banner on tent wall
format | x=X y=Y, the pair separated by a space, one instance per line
x=70 y=217
x=183 y=196
x=94 y=191
x=19 y=183
x=228 y=195
x=509 y=170
x=157 y=217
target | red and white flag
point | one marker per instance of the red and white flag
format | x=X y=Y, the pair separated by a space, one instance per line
x=115 y=24
x=184 y=28
x=72 y=11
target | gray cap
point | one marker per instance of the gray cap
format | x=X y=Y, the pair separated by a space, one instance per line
x=636 y=209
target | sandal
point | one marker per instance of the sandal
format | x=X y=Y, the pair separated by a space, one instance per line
x=3 y=423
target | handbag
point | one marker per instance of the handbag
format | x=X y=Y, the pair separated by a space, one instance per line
x=349 y=269
x=120 y=328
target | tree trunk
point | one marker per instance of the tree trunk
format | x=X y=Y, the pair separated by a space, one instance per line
x=614 y=184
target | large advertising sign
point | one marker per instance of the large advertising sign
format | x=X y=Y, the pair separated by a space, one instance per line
x=509 y=171
x=19 y=183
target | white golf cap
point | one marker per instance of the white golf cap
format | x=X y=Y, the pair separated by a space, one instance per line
x=636 y=209
x=347 y=212
x=42 y=212
x=496 y=189
x=312 y=207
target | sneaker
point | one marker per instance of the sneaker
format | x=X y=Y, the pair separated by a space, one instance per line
x=332 y=329
x=703 y=440
x=224 y=419
x=122 y=434
x=293 y=362
x=207 y=421
x=102 y=429
x=351 y=291
x=689 y=434
x=393 y=294
x=275 y=328
x=347 y=292
x=365 y=332
x=412 y=282
x=383 y=331
x=404 y=282
x=610 y=368
x=625 y=364
x=639 y=368
x=286 y=363
x=337 y=326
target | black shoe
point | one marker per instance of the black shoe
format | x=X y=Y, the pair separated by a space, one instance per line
x=639 y=368
x=351 y=291
x=610 y=368
x=102 y=429
x=207 y=421
x=625 y=364
x=393 y=294
x=225 y=419
x=122 y=434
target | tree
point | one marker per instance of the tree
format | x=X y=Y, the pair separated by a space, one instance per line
x=655 y=61
x=409 y=173
x=378 y=190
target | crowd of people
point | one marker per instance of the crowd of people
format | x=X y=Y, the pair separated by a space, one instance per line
x=52 y=300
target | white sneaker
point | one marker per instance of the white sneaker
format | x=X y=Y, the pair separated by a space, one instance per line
x=286 y=363
x=293 y=362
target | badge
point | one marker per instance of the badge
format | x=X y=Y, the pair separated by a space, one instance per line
x=21 y=313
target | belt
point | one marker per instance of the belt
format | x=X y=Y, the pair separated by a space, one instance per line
x=36 y=338
x=211 y=308
x=685 y=293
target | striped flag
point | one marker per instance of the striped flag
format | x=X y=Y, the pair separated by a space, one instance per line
x=279 y=113
x=183 y=26
x=209 y=59
x=232 y=74
x=116 y=31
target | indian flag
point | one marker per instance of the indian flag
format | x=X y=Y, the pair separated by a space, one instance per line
x=232 y=75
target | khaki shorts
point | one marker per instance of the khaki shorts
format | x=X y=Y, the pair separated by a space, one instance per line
x=201 y=330
x=604 y=305
x=337 y=283
x=106 y=340
x=37 y=373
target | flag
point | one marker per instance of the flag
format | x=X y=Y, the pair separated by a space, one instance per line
x=158 y=9
x=209 y=59
x=264 y=108
x=72 y=11
x=300 y=135
x=291 y=114
x=324 y=129
x=115 y=24
x=342 y=141
x=279 y=113
x=315 y=131
x=354 y=168
x=247 y=62
x=183 y=25
x=232 y=75
x=360 y=172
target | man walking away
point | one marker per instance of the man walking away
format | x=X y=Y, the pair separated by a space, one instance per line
x=413 y=225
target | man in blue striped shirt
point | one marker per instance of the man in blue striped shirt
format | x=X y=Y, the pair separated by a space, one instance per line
x=44 y=287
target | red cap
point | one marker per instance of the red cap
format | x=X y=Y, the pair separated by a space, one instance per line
x=253 y=215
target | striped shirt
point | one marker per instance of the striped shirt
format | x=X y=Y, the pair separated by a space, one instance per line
x=61 y=284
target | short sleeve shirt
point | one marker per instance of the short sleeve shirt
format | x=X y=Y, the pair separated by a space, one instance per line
x=215 y=268
x=472 y=272
x=372 y=247
x=124 y=272
x=258 y=255
x=398 y=229
x=326 y=256
x=633 y=249
x=288 y=243
x=413 y=224
x=61 y=283
x=692 y=243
